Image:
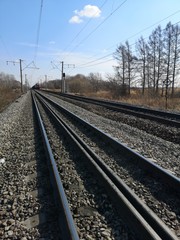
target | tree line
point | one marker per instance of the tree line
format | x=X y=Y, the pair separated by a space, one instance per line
x=155 y=63
x=150 y=65
x=8 y=81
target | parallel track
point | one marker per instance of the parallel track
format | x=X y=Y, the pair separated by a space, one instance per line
x=166 y=118
x=67 y=225
x=166 y=177
x=137 y=214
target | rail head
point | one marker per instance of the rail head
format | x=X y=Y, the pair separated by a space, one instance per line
x=157 y=170
x=117 y=189
x=68 y=229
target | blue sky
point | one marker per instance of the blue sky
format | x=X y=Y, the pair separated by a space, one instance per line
x=74 y=31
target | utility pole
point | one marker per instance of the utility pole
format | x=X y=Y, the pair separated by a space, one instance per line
x=45 y=81
x=21 y=70
x=26 y=83
x=20 y=63
x=62 y=80
x=26 y=87
x=63 y=74
x=20 y=66
x=63 y=83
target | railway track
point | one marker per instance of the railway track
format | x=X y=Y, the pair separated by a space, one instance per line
x=157 y=148
x=134 y=212
x=90 y=224
x=27 y=209
x=167 y=118
x=67 y=226
x=166 y=129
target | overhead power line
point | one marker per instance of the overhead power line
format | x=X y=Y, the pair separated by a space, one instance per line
x=144 y=29
x=96 y=63
x=30 y=65
x=82 y=29
x=98 y=26
x=38 y=31
x=110 y=54
x=154 y=24
x=20 y=69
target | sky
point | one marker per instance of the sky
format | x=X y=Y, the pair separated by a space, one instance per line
x=83 y=34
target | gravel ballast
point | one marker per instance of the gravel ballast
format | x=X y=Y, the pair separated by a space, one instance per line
x=146 y=187
x=91 y=208
x=162 y=152
x=18 y=148
x=21 y=156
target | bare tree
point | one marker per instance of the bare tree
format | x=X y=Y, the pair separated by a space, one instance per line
x=142 y=48
x=113 y=85
x=156 y=56
x=175 y=46
x=8 y=81
x=131 y=62
x=160 y=53
x=121 y=57
x=155 y=64
x=168 y=37
x=124 y=71
x=95 y=80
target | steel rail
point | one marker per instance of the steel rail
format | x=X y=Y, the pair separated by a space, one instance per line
x=156 y=170
x=134 y=211
x=162 y=117
x=124 y=105
x=67 y=226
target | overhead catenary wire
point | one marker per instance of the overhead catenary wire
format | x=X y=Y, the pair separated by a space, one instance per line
x=154 y=24
x=84 y=39
x=38 y=32
x=84 y=65
x=92 y=65
x=97 y=63
x=37 y=38
x=110 y=54
x=82 y=29
x=144 y=29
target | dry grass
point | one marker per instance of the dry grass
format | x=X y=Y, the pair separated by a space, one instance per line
x=136 y=98
x=7 y=96
x=99 y=94
x=147 y=100
x=154 y=102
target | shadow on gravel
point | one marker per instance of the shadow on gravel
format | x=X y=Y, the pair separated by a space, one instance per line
x=94 y=192
x=48 y=227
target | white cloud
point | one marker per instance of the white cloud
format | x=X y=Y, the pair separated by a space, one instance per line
x=52 y=42
x=75 y=19
x=88 y=11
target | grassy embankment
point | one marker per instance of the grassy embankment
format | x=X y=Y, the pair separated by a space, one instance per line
x=7 y=96
x=146 y=100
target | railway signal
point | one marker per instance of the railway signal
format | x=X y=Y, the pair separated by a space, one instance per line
x=63 y=83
